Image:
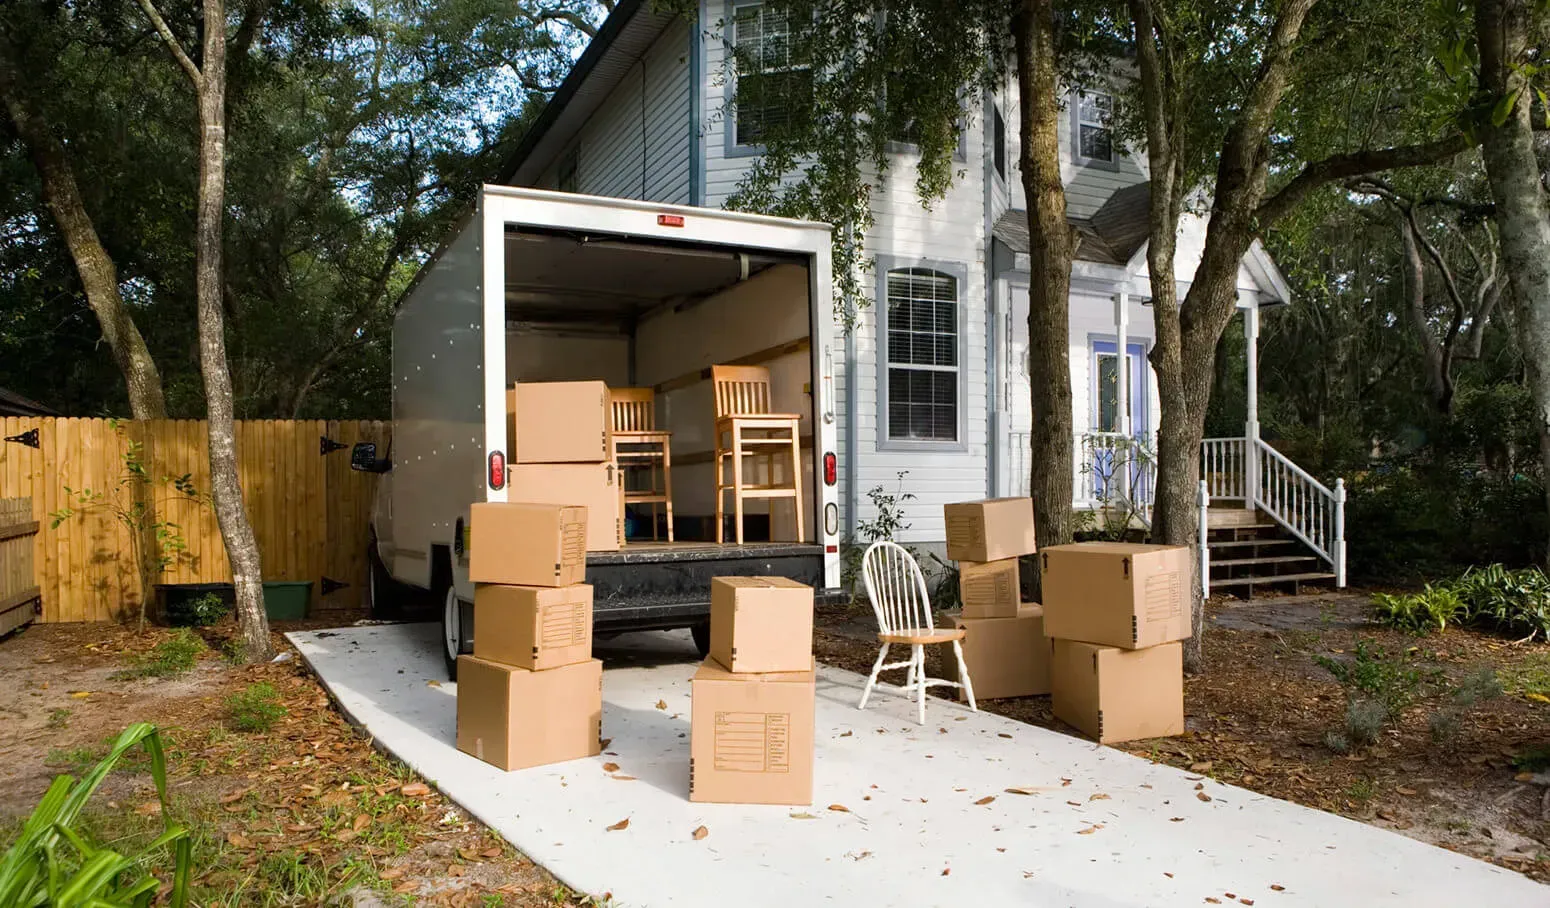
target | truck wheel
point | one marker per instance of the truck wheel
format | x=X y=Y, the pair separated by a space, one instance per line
x=454 y=635
x=701 y=634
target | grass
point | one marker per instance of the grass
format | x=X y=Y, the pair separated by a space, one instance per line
x=1529 y=678
x=256 y=708
x=72 y=760
x=59 y=718
x=1361 y=790
x=170 y=658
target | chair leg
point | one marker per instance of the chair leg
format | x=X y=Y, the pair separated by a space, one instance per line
x=872 y=679
x=737 y=484
x=667 y=486
x=963 y=673
x=920 y=679
x=721 y=510
x=796 y=480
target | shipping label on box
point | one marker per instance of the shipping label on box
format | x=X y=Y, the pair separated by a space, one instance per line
x=989 y=530
x=536 y=628
x=991 y=589
x=527 y=544
x=1117 y=594
x=752 y=742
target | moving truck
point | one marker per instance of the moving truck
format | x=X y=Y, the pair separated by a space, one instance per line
x=550 y=286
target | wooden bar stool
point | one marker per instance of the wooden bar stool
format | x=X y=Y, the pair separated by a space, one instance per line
x=745 y=427
x=637 y=443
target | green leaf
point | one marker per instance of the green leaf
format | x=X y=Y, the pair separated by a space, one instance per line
x=1503 y=109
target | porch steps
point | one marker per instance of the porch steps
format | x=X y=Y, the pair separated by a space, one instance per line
x=1250 y=551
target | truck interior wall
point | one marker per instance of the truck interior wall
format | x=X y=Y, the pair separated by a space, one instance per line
x=547 y=355
x=763 y=313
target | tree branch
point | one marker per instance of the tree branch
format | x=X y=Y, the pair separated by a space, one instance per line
x=171 y=41
x=1355 y=163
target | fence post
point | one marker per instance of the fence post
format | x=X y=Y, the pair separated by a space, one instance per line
x=1204 y=501
x=1339 y=548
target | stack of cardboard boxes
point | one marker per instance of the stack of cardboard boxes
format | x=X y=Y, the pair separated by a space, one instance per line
x=559 y=451
x=751 y=724
x=531 y=693
x=1004 y=647
x=1115 y=613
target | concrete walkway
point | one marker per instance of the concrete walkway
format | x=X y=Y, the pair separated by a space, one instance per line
x=1098 y=828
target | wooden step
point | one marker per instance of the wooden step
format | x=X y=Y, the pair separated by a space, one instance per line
x=1267 y=559
x=1244 y=543
x=1244 y=526
x=1264 y=581
x=1231 y=517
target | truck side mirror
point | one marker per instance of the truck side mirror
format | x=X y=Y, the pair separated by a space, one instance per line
x=363 y=458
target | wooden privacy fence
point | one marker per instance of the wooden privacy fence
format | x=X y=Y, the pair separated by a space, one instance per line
x=310 y=511
x=18 y=589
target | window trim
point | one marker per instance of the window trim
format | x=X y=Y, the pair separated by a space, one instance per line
x=959 y=271
x=731 y=147
x=1076 y=132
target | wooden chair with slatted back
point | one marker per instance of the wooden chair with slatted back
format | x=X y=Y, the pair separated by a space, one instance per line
x=745 y=428
x=637 y=444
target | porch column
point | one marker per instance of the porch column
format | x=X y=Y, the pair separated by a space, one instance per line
x=1251 y=422
x=1122 y=457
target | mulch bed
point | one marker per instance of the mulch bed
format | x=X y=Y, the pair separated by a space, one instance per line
x=1257 y=717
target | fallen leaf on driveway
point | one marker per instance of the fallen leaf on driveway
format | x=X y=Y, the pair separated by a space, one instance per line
x=839 y=808
x=603 y=743
x=1247 y=901
x=1175 y=819
x=802 y=815
x=622 y=824
x=1002 y=734
x=623 y=778
x=1199 y=785
x=1090 y=830
x=1201 y=767
x=946 y=871
x=415 y=790
x=610 y=767
x=1075 y=803
x=1167 y=874
x=1277 y=887
x=662 y=704
x=846 y=734
x=985 y=800
x=1100 y=796
x=700 y=832
x=1026 y=790
x=1202 y=796
x=433 y=683
x=1211 y=901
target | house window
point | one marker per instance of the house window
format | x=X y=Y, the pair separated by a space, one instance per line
x=774 y=84
x=998 y=137
x=922 y=355
x=567 y=180
x=1108 y=392
x=1094 y=140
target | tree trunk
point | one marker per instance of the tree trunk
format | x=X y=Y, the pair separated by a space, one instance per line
x=230 y=511
x=99 y=276
x=1051 y=244
x=1522 y=217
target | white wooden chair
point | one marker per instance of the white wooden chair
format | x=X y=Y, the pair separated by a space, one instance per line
x=897 y=590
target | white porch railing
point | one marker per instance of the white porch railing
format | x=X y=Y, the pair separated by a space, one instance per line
x=1253 y=472
x=1108 y=470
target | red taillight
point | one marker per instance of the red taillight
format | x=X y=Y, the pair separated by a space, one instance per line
x=497 y=470
x=670 y=220
x=831 y=469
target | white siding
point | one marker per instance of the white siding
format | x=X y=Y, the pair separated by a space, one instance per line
x=637 y=144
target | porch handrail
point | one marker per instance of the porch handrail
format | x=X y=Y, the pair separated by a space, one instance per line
x=1309 y=510
x=1297 y=471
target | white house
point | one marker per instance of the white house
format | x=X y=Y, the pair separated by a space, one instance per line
x=644 y=115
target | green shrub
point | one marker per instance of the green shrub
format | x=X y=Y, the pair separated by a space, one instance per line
x=1432 y=609
x=53 y=862
x=1373 y=674
x=256 y=708
x=207 y=610
x=1514 y=603
x=1364 y=721
x=173 y=656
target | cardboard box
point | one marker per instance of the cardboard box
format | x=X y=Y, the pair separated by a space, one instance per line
x=1114 y=694
x=594 y=486
x=513 y=718
x=557 y=422
x=1119 y=594
x=751 y=736
x=989 y=530
x=761 y=624
x=526 y=544
x=1006 y=657
x=989 y=589
x=533 y=627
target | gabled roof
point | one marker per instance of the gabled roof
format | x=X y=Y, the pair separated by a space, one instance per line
x=622 y=39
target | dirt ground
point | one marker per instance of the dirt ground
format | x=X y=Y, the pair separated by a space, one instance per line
x=1258 y=715
x=303 y=813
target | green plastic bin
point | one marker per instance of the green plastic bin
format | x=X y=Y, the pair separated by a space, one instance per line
x=286 y=600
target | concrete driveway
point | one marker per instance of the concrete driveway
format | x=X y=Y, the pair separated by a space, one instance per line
x=920 y=815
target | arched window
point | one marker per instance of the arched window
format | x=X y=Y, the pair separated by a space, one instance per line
x=921 y=343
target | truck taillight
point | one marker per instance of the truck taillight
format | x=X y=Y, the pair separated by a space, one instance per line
x=831 y=469
x=497 y=470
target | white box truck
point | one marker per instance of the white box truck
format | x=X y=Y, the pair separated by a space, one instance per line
x=550 y=286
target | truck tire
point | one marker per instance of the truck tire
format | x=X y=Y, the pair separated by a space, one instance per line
x=701 y=634
x=455 y=637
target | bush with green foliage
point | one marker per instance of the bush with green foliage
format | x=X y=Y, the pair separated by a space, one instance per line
x=256 y=708
x=54 y=862
x=1514 y=603
x=887 y=522
x=170 y=658
x=1378 y=688
x=199 y=611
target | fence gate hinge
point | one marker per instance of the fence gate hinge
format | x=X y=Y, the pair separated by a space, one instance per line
x=330 y=585
x=327 y=446
x=28 y=438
